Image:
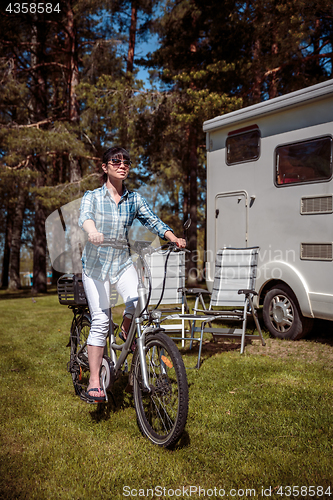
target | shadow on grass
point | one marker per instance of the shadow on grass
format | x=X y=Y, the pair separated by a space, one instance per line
x=322 y=333
x=118 y=399
x=210 y=348
x=183 y=442
x=25 y=293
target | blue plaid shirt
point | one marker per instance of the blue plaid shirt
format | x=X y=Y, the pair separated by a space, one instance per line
x=114 y=221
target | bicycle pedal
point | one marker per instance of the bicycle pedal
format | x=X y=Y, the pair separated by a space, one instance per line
x=81 y=396
x=91 y=400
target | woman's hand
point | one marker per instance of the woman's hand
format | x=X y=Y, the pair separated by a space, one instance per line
x=180 y=242
x=95 y=237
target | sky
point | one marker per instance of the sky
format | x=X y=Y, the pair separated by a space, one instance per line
x=143 y=49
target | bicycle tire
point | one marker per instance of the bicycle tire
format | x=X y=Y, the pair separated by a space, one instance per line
x=162 y=413
x=78 y=365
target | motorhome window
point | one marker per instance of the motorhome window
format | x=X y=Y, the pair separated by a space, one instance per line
x=306 y=161
x=243 y=147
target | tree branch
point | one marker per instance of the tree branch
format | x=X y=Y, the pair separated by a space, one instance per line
x=25 y=163
x=42 y=65
x=36 y=124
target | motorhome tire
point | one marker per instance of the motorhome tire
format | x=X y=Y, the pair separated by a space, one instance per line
x=282 y=315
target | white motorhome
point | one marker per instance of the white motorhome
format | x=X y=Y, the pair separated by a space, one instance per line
x=269 y=184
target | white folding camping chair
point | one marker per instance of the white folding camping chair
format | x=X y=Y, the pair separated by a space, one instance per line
x=233 y=289
x=174 y=290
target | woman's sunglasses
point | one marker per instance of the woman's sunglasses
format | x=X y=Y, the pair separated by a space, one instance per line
x=118 y=161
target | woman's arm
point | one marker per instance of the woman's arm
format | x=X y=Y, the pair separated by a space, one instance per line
x=94 y=236
x=150 y=220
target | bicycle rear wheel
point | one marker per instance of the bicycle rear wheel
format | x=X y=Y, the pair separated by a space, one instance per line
x=78 y=364
x=161 y=413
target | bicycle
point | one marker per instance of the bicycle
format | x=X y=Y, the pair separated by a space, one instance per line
x=157 y=374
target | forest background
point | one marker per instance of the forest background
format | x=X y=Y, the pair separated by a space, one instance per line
x=70 y=88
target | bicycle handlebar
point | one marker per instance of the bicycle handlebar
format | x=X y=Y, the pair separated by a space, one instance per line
x=120 y=244
x=139 y=246
x=172 y=244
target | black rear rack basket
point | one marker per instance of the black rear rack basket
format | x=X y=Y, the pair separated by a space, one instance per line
x=70 y=290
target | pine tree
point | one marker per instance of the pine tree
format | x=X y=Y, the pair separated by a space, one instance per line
x=188 y=70
x=69 y=90
x=286 y=46
x=41 y=71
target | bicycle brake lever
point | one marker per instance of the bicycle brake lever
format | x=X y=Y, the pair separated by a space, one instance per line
x=176 y=248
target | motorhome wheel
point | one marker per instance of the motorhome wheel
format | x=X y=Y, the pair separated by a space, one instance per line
x=282 y=315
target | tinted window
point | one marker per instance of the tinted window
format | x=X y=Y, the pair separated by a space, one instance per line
x=243 y=147
x=306 y=161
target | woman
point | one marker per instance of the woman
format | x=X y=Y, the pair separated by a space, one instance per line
x=110 y=211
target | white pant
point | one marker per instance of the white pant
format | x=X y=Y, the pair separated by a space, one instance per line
x=98 y=297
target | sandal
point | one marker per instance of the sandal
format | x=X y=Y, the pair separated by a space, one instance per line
x=94 y=399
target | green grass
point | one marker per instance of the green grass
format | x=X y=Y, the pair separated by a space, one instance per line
x=255 y=421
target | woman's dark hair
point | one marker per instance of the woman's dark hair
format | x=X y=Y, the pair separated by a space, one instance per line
x=114 y=152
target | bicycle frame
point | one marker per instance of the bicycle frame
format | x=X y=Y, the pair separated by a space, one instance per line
x=135 y=327
x=112 y=363
x=126 y=347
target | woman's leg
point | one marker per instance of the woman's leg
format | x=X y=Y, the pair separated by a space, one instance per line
x=95 y=356
x=127 y=287
x=98 y=296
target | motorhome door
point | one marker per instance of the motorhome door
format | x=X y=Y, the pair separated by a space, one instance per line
x=231 y=219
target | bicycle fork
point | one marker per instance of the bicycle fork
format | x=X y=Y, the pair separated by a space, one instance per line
x=142 y=306
x=142 y=355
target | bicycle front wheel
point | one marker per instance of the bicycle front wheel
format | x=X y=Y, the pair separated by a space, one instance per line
x=161 y=413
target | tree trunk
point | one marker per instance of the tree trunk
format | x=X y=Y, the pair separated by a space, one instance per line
x=192 y=276
x=274 y=51
x=256 y=89
x=186 y=181
x=39 y=112
x=316 y=46
x=8 y=241
x=192 y=231
x=73 y=67
x=132 y=34
x=75 y=173
x=38 y=103
x=73 y=81
x=14 y=270
x=39 y=264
